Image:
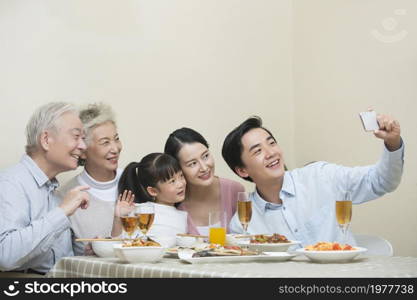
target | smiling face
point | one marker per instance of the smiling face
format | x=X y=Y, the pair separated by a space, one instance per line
x=262 y=157
x=104 y=147
x=197 y=163
x=65 y=144
x=171 y=191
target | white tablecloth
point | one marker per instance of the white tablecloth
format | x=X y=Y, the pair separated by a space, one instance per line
x=366 y=266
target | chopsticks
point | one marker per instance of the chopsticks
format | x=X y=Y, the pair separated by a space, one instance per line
x=98 y=240
x=244 y=236
x=192 y=235
x=205 y=236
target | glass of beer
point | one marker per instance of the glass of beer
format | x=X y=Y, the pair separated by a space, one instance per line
x=244 y=210
x=344 y=215
x=217 y=227
x=146 y=214
x=129 y=223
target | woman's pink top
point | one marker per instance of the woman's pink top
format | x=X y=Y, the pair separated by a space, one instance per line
x=228 y=199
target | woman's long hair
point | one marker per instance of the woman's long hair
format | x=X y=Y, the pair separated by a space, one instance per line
x=180 y=137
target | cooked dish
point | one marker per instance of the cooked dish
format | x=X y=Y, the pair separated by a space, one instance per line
x=141 y=243
x=226 y=250
x=204 y=250
x=328 y=246
x=269 y=239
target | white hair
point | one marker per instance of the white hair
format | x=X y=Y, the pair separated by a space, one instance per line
x=44 y=118
x=94 y=115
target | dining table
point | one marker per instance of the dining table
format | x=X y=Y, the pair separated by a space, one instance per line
x=364 y=266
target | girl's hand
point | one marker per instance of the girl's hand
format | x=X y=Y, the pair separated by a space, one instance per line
x=125 y=204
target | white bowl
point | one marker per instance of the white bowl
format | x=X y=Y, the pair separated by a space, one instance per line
x=139 y=254
x=165 y=241
x=234 y=240
x=185 y=241
x=268 y=247
x=335 y=256
x=104 y=248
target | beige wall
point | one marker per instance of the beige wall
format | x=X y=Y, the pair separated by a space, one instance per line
x=341 y=68
x=306 y=67
x=160 y=64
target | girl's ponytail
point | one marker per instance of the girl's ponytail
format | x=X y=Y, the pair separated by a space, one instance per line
x=129 y=180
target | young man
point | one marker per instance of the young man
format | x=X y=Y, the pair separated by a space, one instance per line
x=300 y=204
x=34 y=226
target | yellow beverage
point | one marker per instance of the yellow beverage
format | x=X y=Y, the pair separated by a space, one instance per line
x=145 y=222
x=244 y=209
x=129 y=224
x=217 y=235
x=343 y=212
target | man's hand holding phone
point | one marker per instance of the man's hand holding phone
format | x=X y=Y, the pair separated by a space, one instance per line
x=384 y=127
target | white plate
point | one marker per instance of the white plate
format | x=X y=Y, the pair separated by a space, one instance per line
x=170 y=253
x=267 y=256
x=173 y=252
x=268 y=247
x=332 y=256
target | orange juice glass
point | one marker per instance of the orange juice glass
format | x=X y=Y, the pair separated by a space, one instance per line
x=217 y=235
x=217 y=227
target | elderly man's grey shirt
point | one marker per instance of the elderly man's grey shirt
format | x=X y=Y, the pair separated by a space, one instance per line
x=34 y=231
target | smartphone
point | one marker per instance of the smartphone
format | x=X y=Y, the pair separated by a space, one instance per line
x=369 y=121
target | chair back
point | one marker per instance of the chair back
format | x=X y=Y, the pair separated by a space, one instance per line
x=375 y=244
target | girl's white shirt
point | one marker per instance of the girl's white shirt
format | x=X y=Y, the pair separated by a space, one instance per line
x=168 y=221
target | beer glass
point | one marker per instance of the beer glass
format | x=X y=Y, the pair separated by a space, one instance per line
x=146 y=215
x=344 y=216
x=244 y=209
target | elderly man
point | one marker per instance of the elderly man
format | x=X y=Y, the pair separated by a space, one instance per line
x=300 y=204
x=34 y=226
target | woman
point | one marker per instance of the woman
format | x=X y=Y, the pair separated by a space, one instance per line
x=157 y=180
x=205 y=192
x=100 y=173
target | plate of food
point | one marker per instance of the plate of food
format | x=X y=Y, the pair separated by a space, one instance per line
x=173 y=252
x=229 y=254
x=268 y=243
x=331 y=252
x=139 y=250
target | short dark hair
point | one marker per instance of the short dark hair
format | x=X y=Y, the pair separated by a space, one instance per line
x=232 y=146
x=182 y=136
x=153 y=168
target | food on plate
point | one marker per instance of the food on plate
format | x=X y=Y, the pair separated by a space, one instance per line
x=203 y=250
x=195 y=247
x=269 y=239
x=328 y=246
x=141 y=243
x=228 y=250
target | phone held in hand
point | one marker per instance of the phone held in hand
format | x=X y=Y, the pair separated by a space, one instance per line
x=369 y=121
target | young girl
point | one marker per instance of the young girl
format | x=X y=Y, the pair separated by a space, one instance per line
x=156 y=179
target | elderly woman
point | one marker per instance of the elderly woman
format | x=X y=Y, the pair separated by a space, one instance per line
x=101 y=174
